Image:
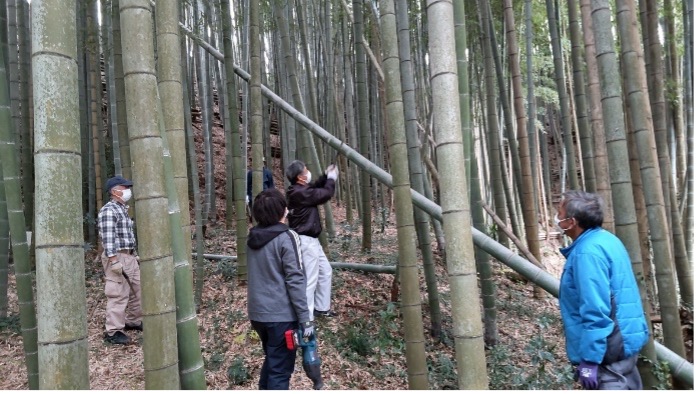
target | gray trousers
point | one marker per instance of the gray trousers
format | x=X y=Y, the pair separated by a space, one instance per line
x=621 y=375
x=318 y=274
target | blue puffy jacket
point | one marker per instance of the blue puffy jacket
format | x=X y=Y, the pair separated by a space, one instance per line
x=597 y=275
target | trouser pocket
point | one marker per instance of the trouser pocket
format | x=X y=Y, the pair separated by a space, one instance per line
x=112 y=288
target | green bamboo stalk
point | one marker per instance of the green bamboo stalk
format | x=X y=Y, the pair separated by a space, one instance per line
x=467 y=329
x=238 y=165
x=406 y=232
x=639 y=112
x=191 y=370
x=171 y=127
x=416 y=168
x=562 y=95
x=531 y=103
x=511 y=190
x=195 y=190
x=60 y=270
x=598 y=136
x=15 y=214
x=617 y=150
x=363 y=123
x=4 y=248
x=255 y=105
x=580 y=100
x=495 y=157
x=121 y=122
x=531 y=224
x=156 y=260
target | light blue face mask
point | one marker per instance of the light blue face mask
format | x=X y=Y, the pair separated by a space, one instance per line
x=309 y=177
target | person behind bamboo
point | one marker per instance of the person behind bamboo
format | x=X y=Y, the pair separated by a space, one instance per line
x=601 y=308
x=276 y=288
x=120 y=263
x=304 y=198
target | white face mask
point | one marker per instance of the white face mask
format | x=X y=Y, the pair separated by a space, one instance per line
x=126 y=195
x=309 y=177
x=558 y=221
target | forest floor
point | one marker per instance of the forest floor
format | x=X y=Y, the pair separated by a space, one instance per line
x=361 y=348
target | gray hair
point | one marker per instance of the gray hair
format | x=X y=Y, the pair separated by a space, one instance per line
x=586 y=208
x=294 y=170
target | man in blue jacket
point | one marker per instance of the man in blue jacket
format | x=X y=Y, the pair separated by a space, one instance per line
x=602 y=313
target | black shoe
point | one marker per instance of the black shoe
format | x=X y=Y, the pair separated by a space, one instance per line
x=118 y=338
x=328 y=313
x=136 y=327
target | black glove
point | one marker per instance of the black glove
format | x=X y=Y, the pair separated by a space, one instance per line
x=307 y=329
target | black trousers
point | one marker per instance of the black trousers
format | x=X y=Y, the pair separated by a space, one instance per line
x=279 y=363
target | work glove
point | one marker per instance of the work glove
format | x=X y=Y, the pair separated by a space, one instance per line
x=307 y=329
x=332 y=172
x=587 y=375
x=246 y=199
x=117 y=268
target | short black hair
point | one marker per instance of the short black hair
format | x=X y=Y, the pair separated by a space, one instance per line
x=586 y=208
x=294 y=170
x=269 y=207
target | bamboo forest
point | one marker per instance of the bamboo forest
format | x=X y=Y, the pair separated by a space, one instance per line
x=468 y=150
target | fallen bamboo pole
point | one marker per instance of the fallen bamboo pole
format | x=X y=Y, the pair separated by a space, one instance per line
x=371 y=268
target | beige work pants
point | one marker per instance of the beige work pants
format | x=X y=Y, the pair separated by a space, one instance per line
x=122 y=301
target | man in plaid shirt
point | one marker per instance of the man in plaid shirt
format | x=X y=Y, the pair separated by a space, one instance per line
x=120 y=262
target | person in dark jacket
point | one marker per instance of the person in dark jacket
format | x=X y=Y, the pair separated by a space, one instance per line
x=601 y=308
x=277 y=289
x=304 y=198
x=267 y=181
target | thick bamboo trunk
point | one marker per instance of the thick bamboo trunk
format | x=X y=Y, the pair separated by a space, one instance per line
x=154 y=247
x=461 y=269
x=60 y=279
x=617 y=150
x=171 y=127
x=416 y=167
x=599 y=145
x=406 y=232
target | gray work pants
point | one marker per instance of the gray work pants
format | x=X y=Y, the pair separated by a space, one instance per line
x=318 y=274
x=620 y=375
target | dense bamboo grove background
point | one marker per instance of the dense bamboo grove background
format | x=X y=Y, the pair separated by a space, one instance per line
x=467 y=119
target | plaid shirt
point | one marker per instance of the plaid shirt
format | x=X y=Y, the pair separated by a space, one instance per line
x=115 y=228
